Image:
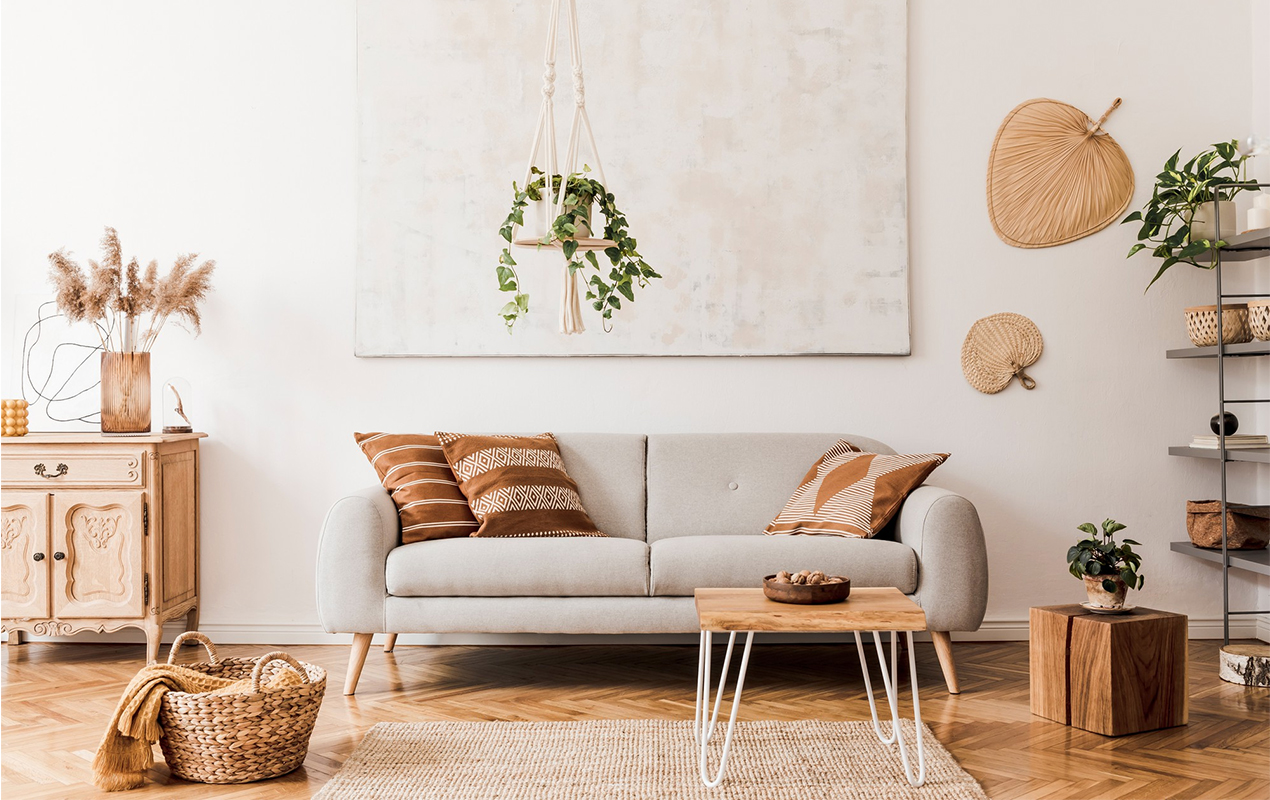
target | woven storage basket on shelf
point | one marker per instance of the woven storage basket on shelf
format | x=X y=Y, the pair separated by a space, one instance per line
x=997 y=350
x=237 y=738
x=1259 y=319
x=1201 y=324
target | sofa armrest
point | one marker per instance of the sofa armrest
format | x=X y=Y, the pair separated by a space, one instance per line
x=357 y=535
x=952 y=558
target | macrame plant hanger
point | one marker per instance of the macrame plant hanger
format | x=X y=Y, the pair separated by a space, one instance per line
x=545 y=139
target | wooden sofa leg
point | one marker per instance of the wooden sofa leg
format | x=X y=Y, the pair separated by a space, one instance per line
x=943 y=649
x=390 y=642
x=356 y=658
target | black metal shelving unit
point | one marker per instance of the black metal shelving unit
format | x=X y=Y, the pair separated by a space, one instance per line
x=1244 y=247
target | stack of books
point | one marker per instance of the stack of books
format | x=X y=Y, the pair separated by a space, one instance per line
x=1235 y=441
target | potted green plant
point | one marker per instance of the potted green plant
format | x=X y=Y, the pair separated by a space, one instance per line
x=1109 y=570
x=627 y=269
x=1179 y=221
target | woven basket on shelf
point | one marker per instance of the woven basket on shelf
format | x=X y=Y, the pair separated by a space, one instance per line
x=1201 y=324
x=997 y=350
x=1259 y=319
x=237 y=738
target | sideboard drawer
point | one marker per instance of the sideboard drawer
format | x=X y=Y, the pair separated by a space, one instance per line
x=51 y=468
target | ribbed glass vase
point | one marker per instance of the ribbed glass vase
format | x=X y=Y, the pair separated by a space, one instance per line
x=125 y=392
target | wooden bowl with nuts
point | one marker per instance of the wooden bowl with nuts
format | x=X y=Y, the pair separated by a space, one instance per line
x=807 y=587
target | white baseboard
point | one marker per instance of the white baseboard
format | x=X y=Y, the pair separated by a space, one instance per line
x=283 y=634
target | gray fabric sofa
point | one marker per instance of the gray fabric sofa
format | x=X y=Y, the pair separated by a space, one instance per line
x=681 y=511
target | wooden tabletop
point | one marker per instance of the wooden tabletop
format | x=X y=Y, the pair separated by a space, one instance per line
x=1137 y=614
x=877 y=609
x=97 y=437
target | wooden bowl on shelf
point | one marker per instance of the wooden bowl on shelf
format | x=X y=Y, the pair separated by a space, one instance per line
x=806 y=594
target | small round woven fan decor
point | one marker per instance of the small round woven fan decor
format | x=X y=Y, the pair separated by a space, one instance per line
x=1055 y=175
x=997 y=350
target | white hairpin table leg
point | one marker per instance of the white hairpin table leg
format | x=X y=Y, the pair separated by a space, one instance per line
x=890 y=683
x=703 y=730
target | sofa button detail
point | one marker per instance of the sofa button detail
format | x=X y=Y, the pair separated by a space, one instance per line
x=734 y=486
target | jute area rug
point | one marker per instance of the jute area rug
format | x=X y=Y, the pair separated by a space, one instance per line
x=629 y=759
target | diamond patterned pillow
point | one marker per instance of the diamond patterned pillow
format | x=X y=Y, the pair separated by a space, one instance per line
x=517 y=485
x=851 y=493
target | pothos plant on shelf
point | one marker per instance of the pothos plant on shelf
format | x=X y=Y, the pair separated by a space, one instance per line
x=1109 y=570
x=1177 y=222
x=627 y=269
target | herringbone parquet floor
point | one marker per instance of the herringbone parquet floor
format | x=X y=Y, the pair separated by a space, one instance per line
x=57 y=698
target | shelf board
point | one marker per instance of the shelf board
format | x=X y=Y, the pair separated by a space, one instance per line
x=1232 y=351
x=1260 y=455
x=1252 y=560
x=1246 y=246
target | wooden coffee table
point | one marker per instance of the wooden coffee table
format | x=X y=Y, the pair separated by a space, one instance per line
x=747 y=610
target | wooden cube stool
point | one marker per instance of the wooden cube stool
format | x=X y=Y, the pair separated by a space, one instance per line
x=1110 y=674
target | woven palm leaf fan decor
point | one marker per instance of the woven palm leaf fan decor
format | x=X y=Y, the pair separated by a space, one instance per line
x=997 y=350
x=1055 y=175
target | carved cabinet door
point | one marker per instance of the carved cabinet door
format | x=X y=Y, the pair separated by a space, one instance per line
x=24 y=555
x=98 y=543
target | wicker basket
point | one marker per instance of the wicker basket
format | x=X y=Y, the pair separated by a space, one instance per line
x=238 y=738
x=1201 y=324
x=1259 y=319
x=1247 y=527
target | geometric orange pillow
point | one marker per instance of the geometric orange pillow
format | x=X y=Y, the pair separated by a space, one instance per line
x=852 y=493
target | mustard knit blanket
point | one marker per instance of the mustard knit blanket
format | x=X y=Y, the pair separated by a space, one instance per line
x=125 y=753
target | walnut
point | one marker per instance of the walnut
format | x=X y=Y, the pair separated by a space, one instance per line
x=816 y=577
x=782 y=576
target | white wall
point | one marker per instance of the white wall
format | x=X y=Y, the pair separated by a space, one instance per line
x=229 y=128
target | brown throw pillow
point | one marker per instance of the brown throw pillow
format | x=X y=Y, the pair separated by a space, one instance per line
x=412 y=467
x=852 y=493
x=517 y=485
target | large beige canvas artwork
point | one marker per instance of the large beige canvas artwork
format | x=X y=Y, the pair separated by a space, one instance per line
x=758 y=150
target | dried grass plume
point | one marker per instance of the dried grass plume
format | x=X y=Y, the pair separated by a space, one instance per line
x=114 y=297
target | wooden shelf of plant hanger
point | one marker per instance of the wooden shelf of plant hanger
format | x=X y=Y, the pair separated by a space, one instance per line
x=583 y=244
x=1252 y=560
x=1258 y=455
x=1245 y=246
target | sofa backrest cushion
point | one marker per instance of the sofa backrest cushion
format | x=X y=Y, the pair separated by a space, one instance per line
x=718 y=484
x=609 y=471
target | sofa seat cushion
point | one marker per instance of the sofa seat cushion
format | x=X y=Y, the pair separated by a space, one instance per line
x=509 y=567
x=681 y=564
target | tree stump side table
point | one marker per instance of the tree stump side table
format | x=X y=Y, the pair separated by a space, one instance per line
x=1110 y=674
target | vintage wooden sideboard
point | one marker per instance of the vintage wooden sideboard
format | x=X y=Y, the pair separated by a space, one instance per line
x=99 y=533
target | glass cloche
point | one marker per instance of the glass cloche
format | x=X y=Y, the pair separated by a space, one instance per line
x=176 y=400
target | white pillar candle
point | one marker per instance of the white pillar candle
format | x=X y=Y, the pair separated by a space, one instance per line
x=1261 y=200
x=1258 y=218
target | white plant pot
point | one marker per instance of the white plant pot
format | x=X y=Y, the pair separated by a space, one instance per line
x=539 y=215
x=1203 y=221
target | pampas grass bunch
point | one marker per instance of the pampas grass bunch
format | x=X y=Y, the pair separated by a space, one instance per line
x=116 y=299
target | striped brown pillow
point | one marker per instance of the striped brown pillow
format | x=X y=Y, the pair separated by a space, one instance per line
x=851 y=493
x=517 y=485
x=412 y=467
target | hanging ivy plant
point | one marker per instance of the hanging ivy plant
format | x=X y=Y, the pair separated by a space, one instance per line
x=627 y=269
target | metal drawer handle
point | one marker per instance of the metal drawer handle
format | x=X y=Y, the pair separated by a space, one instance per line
x=42 y=471
x=58 y=556
x=38 y=556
